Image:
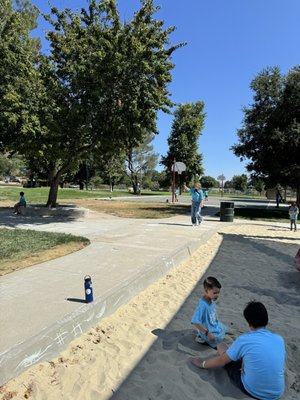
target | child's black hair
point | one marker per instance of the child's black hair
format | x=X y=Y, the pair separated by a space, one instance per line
x=21 y=193
x=256 y=314
x=210 y=283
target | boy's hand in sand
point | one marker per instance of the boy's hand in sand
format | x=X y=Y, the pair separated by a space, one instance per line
x=197 y=362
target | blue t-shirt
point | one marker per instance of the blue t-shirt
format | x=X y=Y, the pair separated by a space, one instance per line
x=263 y=355
x=22 y=201
x=197 y=194
x=293 y=211
x=206 y=315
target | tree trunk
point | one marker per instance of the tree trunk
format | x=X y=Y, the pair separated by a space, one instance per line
x=135 y=183
x=52 y=196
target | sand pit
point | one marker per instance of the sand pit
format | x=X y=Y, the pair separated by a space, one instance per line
x=141 y=351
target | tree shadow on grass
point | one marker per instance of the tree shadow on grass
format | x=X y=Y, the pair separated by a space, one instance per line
x=38 y=215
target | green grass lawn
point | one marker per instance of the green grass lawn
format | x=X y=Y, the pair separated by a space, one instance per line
x=21 y=248
x=40 y=195
x=17 y=245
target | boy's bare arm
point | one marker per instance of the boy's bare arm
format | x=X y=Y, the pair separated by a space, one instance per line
x=218 y=361
x=200 y=328
x=206 y=332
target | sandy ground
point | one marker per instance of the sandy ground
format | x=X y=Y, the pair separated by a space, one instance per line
x=141 y=351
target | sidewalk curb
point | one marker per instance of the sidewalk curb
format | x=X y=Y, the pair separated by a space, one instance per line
x=47 y=344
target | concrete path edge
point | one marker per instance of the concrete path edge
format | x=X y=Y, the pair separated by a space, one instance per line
x=47 y=344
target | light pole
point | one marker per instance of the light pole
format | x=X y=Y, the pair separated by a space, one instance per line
x=222 y=179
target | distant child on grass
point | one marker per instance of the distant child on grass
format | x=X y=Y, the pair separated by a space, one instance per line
x=21 y=203
x=293 y=213
x=205 y=319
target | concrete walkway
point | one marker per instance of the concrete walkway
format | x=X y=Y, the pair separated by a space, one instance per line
x=43 y=308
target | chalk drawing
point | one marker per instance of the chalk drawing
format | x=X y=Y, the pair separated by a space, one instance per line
x=33 y=358
x=60 y=337
x=102 y=311
x=77 y=330
x=118 y=300
x=90 y=318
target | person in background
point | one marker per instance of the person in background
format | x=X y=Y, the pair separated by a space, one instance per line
x=293 y=213
x=197 y=202
x=21 y=203
x=278 y=198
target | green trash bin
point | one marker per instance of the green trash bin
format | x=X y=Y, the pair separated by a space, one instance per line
x=226 y=211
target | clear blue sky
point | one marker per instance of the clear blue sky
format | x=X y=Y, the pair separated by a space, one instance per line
x=229 y=43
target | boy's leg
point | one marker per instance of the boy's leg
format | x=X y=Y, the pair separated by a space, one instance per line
x=16 y=208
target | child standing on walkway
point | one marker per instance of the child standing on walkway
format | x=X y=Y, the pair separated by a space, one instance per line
x=293 y=213
x=205 y=319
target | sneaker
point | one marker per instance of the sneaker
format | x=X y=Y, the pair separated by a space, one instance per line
x=198 y=339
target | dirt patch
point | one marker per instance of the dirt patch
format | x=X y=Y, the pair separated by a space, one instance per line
x=133 y=209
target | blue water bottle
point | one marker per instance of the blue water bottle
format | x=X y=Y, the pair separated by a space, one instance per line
x=88 y=289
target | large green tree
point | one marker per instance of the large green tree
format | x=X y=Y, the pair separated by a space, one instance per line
x=184 y=139
x=139 y=161
x=99 y=89
x=18 y=87
x=209 y=182
x=111 y=167
x=270 y=135
x=240 y=182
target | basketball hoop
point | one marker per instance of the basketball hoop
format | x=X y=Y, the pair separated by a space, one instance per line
x=179 y=167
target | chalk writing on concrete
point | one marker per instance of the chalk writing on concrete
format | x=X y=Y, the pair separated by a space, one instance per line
x=77 y=330
x=33 y=358
x=60 y=337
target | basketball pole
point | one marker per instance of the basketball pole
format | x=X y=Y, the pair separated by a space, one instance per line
x=173 y=181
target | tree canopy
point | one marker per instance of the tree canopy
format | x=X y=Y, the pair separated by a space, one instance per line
x=139 y=160
x=183 y=141
x=240 y=182
x=270 y=135
x=100 y=88
x=209 y=182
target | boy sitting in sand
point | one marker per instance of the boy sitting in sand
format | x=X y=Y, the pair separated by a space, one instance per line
x=255 y=360
x=205 y=319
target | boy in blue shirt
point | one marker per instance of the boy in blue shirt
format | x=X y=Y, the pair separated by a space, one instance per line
x=21 y=203
x=205 y=318
x=255 y=360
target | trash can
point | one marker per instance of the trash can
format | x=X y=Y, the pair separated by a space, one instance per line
x=226 y=211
